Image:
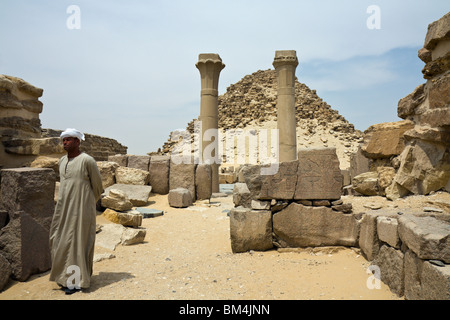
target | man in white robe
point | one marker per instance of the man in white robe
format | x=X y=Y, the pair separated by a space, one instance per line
x=72 y=232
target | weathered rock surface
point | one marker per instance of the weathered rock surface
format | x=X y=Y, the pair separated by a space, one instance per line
x=27 y=194
x=159 y=174
x=250 y=230
x=427 y=237
x=180 y=198
x=425 y=162
x=308 y=226
x=183 y=176
x=126 y=219
x=137 y=194
x=116 y=200
x=385 y=140
x=108 y=172
x=203 y=181
x=133 y=176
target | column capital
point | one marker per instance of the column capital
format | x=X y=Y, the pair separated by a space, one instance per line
x=285 y=57
x=210 y=58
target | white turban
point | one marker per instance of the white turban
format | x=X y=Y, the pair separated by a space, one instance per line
x=72 y=133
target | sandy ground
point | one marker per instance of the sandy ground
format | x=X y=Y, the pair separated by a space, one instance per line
x=187 y=255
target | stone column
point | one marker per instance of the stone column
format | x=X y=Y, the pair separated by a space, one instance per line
x=285 y=63
x=210 y=65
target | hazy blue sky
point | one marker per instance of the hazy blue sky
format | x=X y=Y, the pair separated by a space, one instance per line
x=129 y=72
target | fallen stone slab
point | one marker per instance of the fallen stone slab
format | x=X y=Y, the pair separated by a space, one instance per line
x=116 y=200
x=137 y=194
x=111 y=235
x=149 y=212
x=124 y=218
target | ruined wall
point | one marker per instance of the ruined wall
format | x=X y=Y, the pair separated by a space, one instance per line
x=22 y=139
x=425 y=161
x=19 y=115
x=98 y=147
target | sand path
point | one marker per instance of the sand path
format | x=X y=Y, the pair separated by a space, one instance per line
x=187 y=255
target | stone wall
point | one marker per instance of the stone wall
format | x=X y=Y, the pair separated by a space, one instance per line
x=425 y=161
x=96 y=146
x=300 y=206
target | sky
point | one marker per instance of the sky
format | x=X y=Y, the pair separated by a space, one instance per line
x=126 y=69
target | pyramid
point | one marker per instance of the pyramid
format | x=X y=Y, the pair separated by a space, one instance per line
x=251 y=104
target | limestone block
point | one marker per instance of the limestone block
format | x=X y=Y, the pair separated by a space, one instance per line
x=227 y=178
x=203 y=181
x=359 y=163
x=319 y=175
x=260 y=205
x=368 y=236
x=425 y=167
x=46 y=162
x=282 y=184
x=180 y=198
x=385 y=178
x=435 y=281
x=437 y=31
x=111 y=235
x=120 y=159
x=425 y=281
x=251 y=176
x=138 y=195
x=30 y=190
x=407 y=106
x=385 y=140
x=124 y=218
x=108 y=172
x=116 y=200
x=366 y=183
x=387 y=230
x=250 y=230
x=5 y=272
x=427 y=237
x=132 y=176
x=182 y=176
x=241 y=195
x=24 y=242
x=305 y=226
x=390 y=262
x=133 y=236
x=159 y=174
x=139 y=162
